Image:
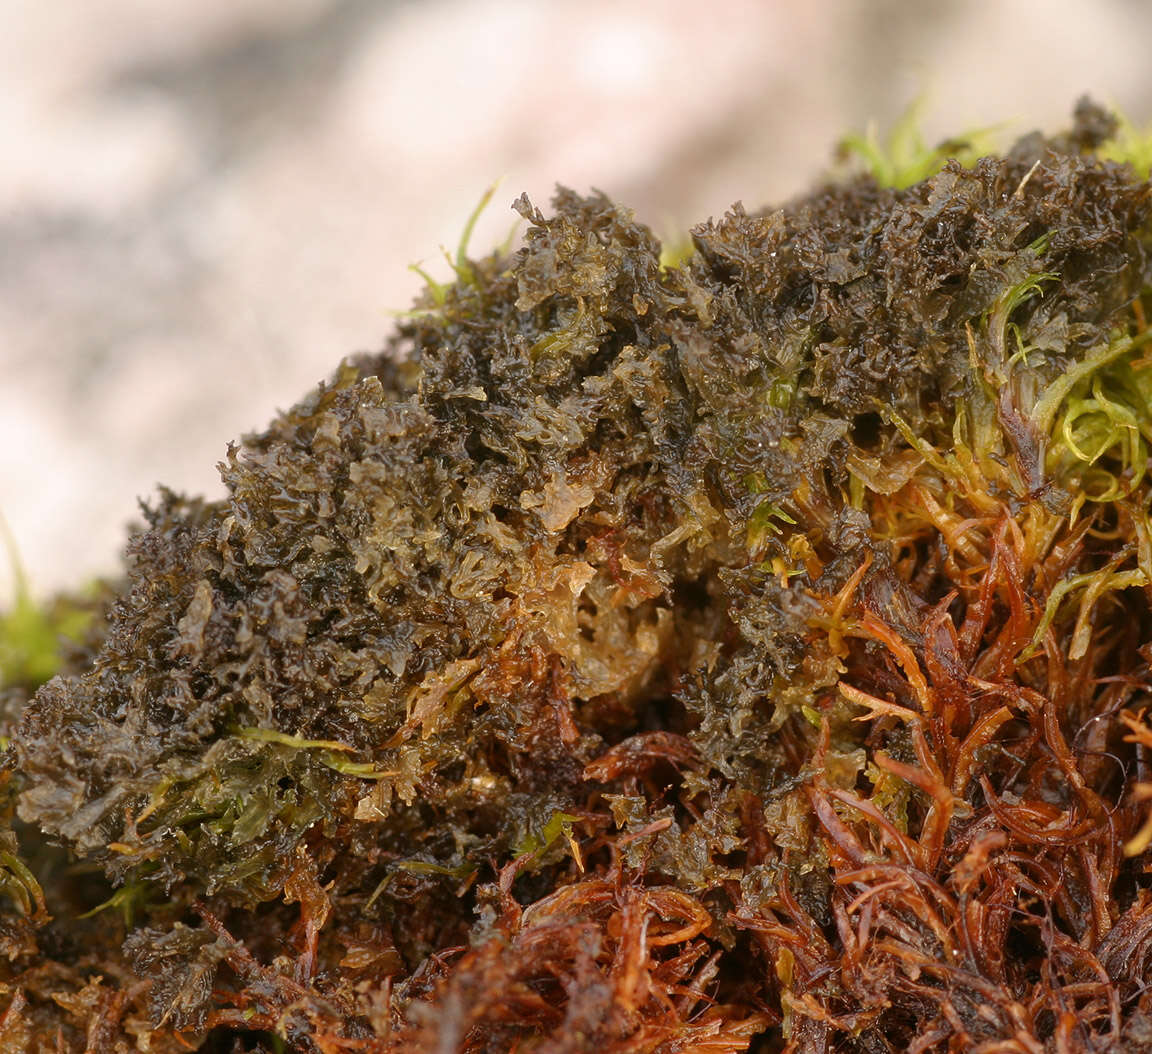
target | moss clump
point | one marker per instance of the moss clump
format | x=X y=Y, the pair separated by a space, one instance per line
x=748 y=653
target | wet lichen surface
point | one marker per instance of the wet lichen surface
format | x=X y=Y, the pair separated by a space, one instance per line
x=744 y=654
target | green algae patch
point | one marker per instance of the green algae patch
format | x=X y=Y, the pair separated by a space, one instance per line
x=736 y=649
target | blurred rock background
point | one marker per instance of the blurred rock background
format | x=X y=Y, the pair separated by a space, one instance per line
x=205 y=204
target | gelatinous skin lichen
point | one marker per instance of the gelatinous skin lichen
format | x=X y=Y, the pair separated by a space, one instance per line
x=749 y=652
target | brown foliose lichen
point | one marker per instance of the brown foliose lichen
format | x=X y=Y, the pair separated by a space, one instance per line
x=744 y=654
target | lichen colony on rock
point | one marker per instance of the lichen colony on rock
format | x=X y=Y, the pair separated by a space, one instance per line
x=744 y=654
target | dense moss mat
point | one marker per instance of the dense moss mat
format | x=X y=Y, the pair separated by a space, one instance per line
x=746 y=654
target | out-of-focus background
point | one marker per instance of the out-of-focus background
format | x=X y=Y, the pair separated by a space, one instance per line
x=205 y=204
